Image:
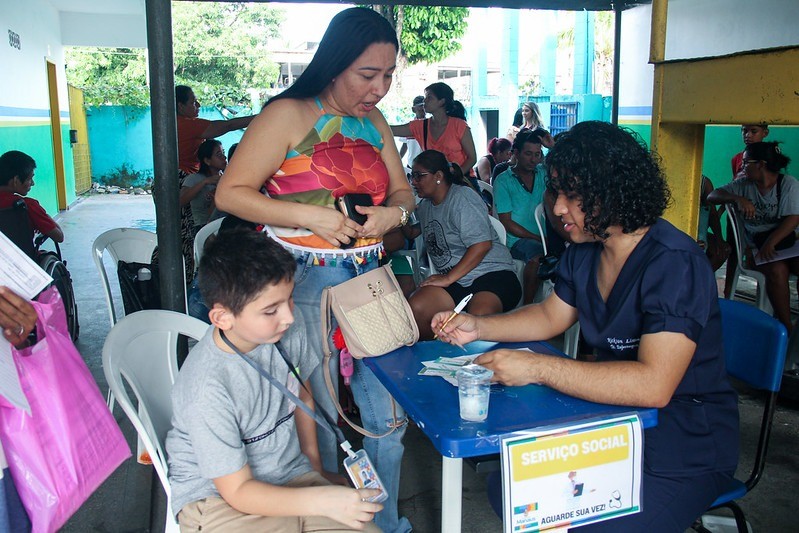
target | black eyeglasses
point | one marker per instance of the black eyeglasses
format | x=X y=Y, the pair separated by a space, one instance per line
x=747 y=161
x=416 y=176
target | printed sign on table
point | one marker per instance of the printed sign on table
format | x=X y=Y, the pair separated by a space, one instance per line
x=570 y=476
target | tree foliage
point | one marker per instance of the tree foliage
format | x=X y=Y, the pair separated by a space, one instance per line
x=109 y=75
x=426 y=33
x=220 y=49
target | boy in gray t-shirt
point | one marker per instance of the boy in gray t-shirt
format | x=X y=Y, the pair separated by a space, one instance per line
x=241 y=456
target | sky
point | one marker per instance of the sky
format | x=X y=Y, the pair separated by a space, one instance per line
x=307 y=22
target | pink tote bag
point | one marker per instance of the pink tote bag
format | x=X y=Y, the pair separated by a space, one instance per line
x=70 y=443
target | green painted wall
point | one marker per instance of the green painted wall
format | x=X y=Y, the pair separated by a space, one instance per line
x=36 y=141
x=723 y=142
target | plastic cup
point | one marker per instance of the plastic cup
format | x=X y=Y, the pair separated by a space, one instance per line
x=474 y=382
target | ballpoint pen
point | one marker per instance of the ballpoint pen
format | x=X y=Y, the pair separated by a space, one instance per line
x=458 y=308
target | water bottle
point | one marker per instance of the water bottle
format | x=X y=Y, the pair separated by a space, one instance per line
x=144 y=276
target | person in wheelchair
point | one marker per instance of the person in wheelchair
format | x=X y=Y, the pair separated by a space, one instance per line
x=16 y=179
x=22 y=218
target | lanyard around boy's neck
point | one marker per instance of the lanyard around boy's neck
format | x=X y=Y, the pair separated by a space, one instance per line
x=290 y=395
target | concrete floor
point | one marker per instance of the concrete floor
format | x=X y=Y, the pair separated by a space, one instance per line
x=122 y=503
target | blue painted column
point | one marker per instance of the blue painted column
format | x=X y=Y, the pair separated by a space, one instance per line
x=479 y=92
x=509 y=81
x=583 y=52
x=549 y=59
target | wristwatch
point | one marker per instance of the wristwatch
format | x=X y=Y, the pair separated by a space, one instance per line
x=405 y=217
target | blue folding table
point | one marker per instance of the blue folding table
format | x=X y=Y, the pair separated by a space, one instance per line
x=432 y=404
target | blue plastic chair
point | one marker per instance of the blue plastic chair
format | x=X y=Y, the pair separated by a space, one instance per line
x=754 y=350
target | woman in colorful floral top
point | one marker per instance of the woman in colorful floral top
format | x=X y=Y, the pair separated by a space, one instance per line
x=320 y=139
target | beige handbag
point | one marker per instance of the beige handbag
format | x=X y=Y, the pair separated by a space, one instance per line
x=374 y=318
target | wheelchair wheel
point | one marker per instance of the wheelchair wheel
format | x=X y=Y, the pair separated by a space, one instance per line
x=62 y=280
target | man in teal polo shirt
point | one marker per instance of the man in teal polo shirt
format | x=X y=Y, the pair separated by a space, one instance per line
x=517 y=192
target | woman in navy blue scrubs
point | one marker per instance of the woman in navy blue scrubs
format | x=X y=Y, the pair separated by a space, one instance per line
x=646 y=300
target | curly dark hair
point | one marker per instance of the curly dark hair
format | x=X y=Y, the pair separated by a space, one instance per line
x=614 y=174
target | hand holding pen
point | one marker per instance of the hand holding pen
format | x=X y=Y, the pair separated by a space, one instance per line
x=458 y=309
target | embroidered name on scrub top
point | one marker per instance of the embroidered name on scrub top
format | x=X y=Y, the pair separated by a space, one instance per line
x=340 y=155
x=623 y=344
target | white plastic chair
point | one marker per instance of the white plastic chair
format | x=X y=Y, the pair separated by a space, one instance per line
x=740 y=247
x=518 y=265
x=141 y=350
x=571 y=337
x=546 y=286
x=499 y=228
x=487 y=188
x=420 y=271
x=122 y=244
x=539 y=221
x=212 y=228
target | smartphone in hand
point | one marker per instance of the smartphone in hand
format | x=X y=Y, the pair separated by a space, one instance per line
x=346 y=205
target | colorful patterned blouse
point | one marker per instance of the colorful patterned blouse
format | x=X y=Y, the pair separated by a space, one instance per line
x=340 y=155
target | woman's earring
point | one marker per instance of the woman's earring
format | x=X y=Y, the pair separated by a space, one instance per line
x=438 y=182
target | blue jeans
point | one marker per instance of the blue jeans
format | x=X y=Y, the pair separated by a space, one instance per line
x=526 y=249
x=372 y=399
x=197 y=307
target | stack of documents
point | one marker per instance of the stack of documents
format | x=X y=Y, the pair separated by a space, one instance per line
x=447 y=367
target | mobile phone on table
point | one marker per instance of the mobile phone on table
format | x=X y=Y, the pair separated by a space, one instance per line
x=364 y=476
x=346 y=205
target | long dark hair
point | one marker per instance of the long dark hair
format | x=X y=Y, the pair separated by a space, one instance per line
x=350 y=33
x=444 y=92
x=533 y=107
x=206 y=151
x=434 y=161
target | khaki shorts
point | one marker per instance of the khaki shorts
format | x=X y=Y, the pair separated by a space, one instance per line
x=214 y=514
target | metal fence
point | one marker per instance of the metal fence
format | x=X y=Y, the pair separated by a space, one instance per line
x=563 y=115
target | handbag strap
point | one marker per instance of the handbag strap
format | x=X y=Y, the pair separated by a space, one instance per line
x=296 y=373
x=326 y=310
x=286 y=392
x=426 y=121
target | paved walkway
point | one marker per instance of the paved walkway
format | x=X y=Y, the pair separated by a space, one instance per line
x=122 y=504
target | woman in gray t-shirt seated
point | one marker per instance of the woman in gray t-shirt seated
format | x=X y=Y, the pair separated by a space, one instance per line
x=463 y=247
x=768 y=201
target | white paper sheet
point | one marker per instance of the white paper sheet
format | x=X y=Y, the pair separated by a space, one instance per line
x=22 y=275
x=9 y=378
x=19 y=272
x=447 y=367
x=793 y=251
